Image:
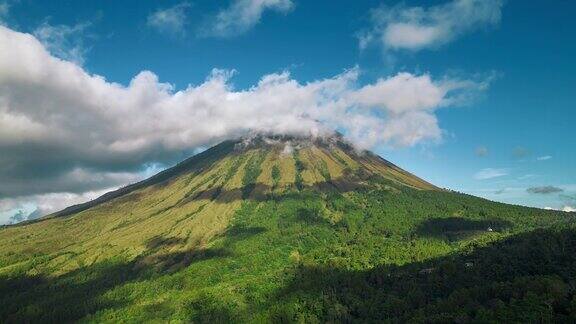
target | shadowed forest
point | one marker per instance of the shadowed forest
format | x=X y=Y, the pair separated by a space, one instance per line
x=285 y=260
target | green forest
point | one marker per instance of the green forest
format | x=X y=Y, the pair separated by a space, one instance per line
x=365 y=250
x=385 y=257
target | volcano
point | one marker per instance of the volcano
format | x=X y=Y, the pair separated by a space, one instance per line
x=289 y=229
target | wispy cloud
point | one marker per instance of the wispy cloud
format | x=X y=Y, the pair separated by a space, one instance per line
x=242 y=15
x=544 y=158
x=520 y=152
x=568 y=198
x=65 y=42
x=568 y=209
x=417 y=28
x=527 y=176
x=6 y=7
x=481 y=151
x=4 y=10
x=544 y=190
x=170 y=20
x=490 y=173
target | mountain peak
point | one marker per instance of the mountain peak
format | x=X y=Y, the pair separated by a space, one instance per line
x=278 y=162
x=296 y=141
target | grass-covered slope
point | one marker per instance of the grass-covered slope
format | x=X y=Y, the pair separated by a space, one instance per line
x=302 y=231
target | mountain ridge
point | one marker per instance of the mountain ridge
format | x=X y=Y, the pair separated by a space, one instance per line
x=197 y=161
x=288 y=230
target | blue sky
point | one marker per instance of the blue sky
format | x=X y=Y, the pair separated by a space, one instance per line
x=507 y=133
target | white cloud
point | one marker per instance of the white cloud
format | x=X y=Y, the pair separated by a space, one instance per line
x=288 y=149
x=64 y=130
x=65 y=42
x=569 y=209
x=242 y=15
x=527 y=176
x=417 y=28
x=171 y=20
x=490 y=173
x=34 y=206
x=544 y=158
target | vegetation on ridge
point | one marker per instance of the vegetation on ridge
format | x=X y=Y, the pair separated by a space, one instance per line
x=361 y=246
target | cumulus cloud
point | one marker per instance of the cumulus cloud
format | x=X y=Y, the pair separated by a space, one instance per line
x=544 y=190
x=76 y=180
x=170 y=20
x=490 y=173
x=242 y=15
x=417 y=28
x=63 y=130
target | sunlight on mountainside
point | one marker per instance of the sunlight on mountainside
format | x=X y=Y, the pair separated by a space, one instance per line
x=225 y=235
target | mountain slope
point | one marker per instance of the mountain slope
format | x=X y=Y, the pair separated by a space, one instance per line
x=275 y=229
x=196 y=199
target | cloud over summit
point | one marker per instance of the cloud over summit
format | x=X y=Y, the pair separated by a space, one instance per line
x=58 y=121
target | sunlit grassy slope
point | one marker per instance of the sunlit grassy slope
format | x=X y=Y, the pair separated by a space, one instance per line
x=288 y=230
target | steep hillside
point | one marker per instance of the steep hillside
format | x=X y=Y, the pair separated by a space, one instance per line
x=285 y=229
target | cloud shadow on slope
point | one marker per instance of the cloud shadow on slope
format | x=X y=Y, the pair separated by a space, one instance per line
x=457 y=228
x=81 y=292
x=526 y=277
